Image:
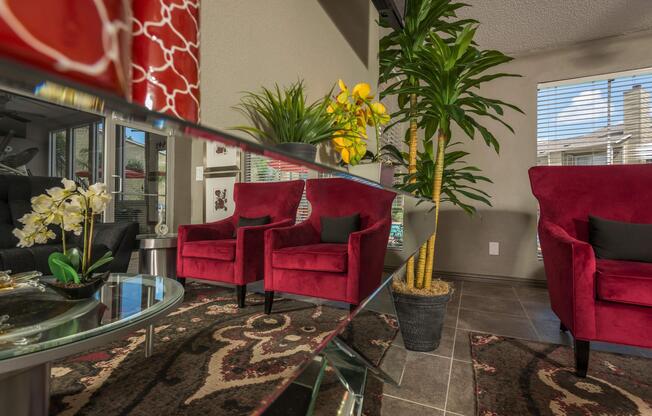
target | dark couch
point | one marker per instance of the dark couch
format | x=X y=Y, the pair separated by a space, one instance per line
x=15 y=195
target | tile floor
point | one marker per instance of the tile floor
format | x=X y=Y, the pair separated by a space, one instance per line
x=441 y=382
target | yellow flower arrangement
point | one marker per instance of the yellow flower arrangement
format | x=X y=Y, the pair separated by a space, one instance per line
x=354 y=111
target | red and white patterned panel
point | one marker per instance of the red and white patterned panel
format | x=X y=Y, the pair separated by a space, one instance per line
x=83 y=40
x=165 y=58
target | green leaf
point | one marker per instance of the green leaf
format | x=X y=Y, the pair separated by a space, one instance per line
x=56 y=270
x=74 y=257
x=68 y=272
x=106 y=258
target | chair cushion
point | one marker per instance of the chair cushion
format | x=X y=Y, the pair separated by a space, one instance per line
x=316 y=257
x=624 y=282
x=616 y=240
x=210 y=249
x=338 y=229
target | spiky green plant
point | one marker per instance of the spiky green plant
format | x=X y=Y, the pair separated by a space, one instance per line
x=282 y=115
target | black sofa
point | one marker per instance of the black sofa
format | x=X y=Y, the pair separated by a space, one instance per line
x=15 y=195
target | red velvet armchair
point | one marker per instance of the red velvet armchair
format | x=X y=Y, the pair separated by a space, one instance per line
x=596 y=299
x=297 y=262
x=221 y=251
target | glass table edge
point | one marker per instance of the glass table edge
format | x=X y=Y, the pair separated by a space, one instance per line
x=127 y=324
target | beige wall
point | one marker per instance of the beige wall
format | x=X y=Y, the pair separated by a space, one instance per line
x=246 y=44
x=464 y=241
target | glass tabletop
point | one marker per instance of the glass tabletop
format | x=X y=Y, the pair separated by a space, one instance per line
x=38 y=321
x=342 y=352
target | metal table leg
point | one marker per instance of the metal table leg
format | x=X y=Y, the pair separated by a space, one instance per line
x=26 y=392
x=149 y=331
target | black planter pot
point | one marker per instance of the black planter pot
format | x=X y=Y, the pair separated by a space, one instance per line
x=84 y=291
x=303 y=150
x=421 y=319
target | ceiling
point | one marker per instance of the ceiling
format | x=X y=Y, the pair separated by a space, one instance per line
x=521 y=26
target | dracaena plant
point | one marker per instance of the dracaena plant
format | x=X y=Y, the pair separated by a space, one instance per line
x=282 y=115
x=72 y=209
x=446 y=73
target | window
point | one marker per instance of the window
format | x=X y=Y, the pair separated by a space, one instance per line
x=77 y=152
x=595 y=121
x=259 y=168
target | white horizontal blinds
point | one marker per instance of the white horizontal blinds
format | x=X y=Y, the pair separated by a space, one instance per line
x=595 y=122
x=263 y=169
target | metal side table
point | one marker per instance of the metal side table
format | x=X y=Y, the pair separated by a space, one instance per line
x=157 y=255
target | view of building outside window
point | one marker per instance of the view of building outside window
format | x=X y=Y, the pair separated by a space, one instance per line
x=598 y=122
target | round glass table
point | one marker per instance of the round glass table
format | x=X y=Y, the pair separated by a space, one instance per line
x=41 y=327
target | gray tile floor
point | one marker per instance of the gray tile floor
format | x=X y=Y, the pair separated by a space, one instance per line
x=441 y=382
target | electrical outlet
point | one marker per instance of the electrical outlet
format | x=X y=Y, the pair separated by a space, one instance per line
x=199 y=173
x=494 y=248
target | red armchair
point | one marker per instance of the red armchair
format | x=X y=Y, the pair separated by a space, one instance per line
x=296 y=261
x=596 y=299
x=221 y=251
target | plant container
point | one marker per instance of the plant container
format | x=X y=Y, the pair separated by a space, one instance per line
x=375 y=171
x=74 y=291
x=302 y=150
x=421 y=319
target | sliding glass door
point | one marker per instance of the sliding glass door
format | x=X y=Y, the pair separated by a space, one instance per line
x=139 y=177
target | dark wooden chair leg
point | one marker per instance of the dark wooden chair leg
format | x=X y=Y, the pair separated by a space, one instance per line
x=352 y=307
x=182 y=280
x=562 y=327
x=582 y=349
x=241 y=293
x=269 y=300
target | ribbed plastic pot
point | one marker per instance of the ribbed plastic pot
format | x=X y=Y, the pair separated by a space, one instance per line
x=303 y=150
x=421 y=319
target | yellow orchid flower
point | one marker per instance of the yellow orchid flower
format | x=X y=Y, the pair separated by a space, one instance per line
x=362 y=90
x=342 y=85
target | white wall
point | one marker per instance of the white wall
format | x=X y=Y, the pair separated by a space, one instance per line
x=464 y=241
x=249 y=43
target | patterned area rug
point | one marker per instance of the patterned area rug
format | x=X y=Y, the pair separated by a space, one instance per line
x=516 y=377
x=209 y=358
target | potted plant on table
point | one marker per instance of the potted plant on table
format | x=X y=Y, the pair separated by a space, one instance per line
x=435 y=70
x=356 y=111
x=72 y=209
x=282 y=117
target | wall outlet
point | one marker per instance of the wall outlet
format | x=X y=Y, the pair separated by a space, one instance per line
x=494 y=248
x=199 y=173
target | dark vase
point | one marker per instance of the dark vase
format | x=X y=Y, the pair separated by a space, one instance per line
x=421 y=319
x=303 y=150
x=77 y=292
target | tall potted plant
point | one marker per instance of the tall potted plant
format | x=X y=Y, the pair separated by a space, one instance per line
x=446 y=72
x=282 y=117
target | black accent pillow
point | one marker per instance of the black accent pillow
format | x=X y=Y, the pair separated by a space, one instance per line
x=617 y=240
x=338 y=229
x=246 y=222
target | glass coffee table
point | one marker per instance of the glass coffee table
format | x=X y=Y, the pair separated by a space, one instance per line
x=42 y=327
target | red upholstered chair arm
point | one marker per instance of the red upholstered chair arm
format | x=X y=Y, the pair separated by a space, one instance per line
x=366 y=260
x=570 y=270
x=218 y=230
x=250 y=250
x=297 y=235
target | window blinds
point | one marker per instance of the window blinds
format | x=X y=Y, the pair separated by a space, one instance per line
x=596 y=121
x=259 y=168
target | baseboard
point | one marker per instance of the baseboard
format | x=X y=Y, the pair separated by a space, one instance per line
x=471 y=277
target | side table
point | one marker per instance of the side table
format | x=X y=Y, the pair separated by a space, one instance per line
x=157 y=255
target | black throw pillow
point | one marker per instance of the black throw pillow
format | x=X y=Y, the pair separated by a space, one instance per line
x=617 y=240
x=246 y=222
x=337 y=229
